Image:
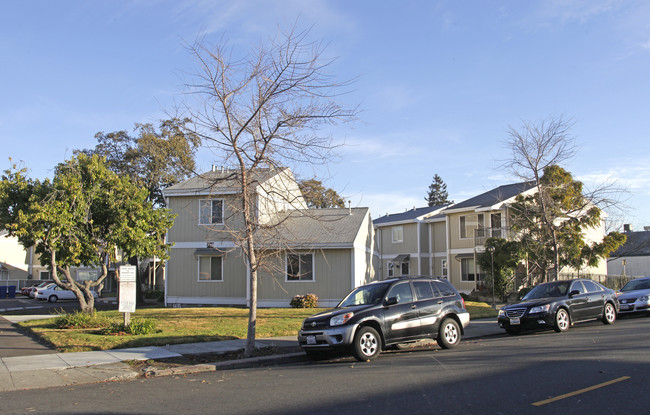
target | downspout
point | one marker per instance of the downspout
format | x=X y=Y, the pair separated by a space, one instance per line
x=419 y=250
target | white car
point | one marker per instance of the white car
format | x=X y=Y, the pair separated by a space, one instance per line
x=54 y=293
x=32 y=291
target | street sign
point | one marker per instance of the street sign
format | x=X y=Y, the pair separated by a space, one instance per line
x=127 y=289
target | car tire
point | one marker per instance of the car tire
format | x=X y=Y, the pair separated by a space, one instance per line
x=367 y=344
x=53 y=299
x=562 y=320
x=609 y=314
x=448 y=334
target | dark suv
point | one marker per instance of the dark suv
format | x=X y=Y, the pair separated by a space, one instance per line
x=385 y=313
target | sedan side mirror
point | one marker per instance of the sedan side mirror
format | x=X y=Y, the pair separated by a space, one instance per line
x=391 y=301
x=573 y=293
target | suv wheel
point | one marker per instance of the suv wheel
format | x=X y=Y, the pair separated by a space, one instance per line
x=367 y=344
x=448 y=334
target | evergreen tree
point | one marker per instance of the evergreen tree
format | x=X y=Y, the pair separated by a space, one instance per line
x=437 y=194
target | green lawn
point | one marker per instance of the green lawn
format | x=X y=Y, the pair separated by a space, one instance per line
x=188 y=325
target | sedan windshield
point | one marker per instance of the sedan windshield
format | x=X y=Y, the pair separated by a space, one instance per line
x=637 y=285
x=552 y=289
x=365 y=295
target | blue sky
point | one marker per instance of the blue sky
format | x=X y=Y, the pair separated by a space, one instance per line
x=438 y=84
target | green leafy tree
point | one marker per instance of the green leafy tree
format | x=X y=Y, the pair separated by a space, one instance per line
x=552 y=223
x=82 y=217
x=318 y=196
x=503 y=256
x=153 y=158
x=437 y=194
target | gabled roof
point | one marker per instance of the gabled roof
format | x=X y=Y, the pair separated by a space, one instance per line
x=492 y=198
x=637 y=244
x=219 y=181
x=412 y=215
x=321 y=228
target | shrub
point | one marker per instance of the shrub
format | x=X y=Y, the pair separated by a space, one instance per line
x=137 y=327
x=156 y=294
x=79 y=320
x=304 y=301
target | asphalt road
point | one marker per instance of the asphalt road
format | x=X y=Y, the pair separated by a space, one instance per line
x=592 y=368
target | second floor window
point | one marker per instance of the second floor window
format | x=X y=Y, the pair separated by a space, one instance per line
x=211 y=212
x=468 y=223
x=398 y=234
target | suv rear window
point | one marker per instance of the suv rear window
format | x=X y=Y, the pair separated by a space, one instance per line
x=444 y=289
x=423 y=290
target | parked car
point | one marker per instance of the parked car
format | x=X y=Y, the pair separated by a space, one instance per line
x=43 y=284
x=54 y=293
x=634 y=297
x=385 y=313
x=26 y=290
x=559 y=305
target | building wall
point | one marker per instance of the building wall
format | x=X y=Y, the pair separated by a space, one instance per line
x=331 y=282
x=13 y=253
x=186 y=226
x=635 y=266
x=183 y=285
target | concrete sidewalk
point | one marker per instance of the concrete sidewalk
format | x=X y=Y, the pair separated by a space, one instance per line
x=62 y=369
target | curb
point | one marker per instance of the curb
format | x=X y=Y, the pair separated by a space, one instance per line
x=149 y=372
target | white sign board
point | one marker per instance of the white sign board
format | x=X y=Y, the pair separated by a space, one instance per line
x=127 y=290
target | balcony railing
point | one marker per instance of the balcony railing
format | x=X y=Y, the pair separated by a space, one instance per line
x=481 y=234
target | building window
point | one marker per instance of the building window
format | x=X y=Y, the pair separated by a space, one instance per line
x=444 y=270
x=300 y=267
x=398 y=234
x=391 y=269
x=467 y=269
x=211 y=212
x=86 y=275
x=495 y=224
x=44 y=275
x=468 y=223
x=405 y=268
x=210 y=268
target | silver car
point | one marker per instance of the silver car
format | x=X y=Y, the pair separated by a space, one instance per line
x=634 y=297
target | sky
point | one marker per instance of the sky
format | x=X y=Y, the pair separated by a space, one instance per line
x=438 y=85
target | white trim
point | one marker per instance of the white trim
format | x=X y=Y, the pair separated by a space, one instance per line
x=274 y=303
x=203 y=244
x=200 y=192
x=206 y=300
x=419 y=258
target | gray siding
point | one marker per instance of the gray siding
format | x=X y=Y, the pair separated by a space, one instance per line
x=183 y=280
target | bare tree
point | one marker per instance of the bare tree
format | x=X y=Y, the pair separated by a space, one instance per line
x=538 y=150
x=264 y=111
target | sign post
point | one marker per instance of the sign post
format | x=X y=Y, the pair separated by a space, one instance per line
x=127 y=292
